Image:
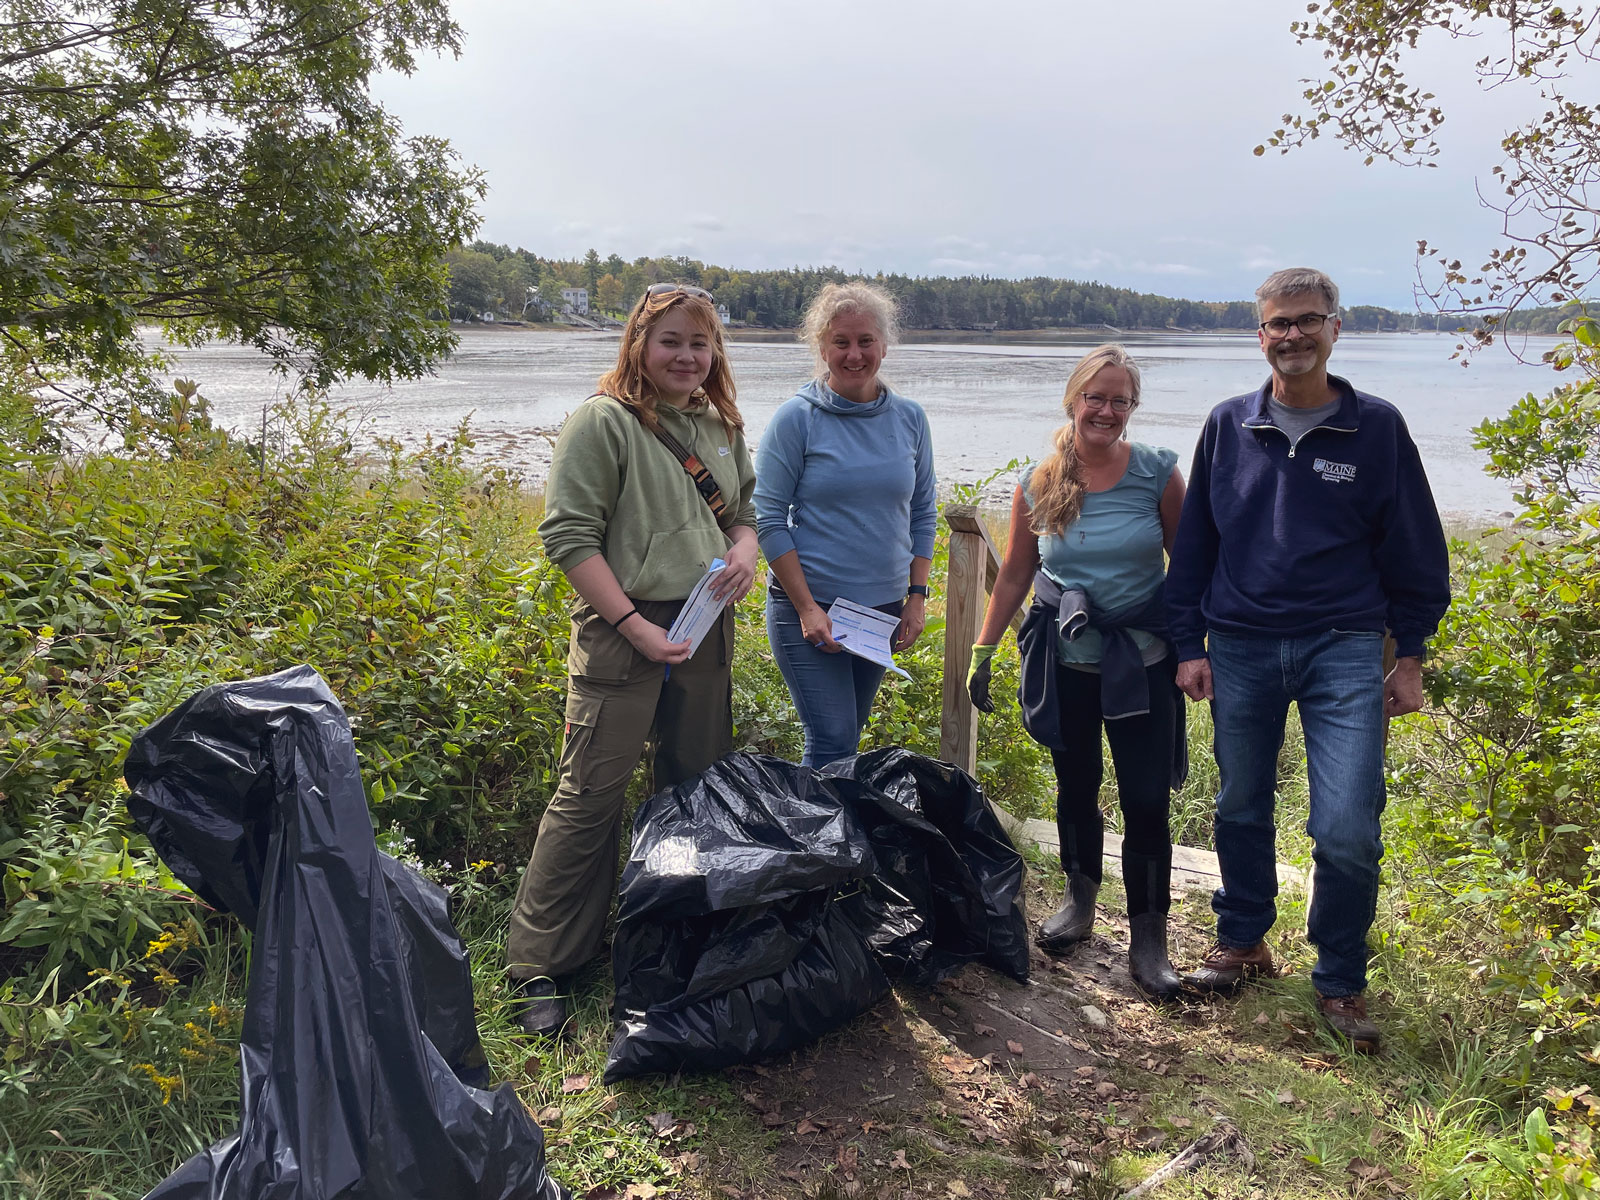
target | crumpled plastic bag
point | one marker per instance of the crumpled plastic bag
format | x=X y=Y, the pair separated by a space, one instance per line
x=731 y=944
x=948 y=884
x=359 y=1053
x=763 y=902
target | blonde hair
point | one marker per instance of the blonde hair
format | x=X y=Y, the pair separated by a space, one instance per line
x=1057 y=482
x=837 y=300
x=627 y=381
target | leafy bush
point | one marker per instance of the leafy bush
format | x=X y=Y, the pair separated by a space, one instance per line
x=1501 y=812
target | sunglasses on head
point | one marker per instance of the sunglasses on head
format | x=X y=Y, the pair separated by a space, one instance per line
x=688 y=289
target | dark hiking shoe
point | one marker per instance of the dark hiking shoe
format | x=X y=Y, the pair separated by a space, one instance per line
x=541 y=1007
x=1148 y=962
x=1075 y=920
x=1224 y=967
x=1347 y=1015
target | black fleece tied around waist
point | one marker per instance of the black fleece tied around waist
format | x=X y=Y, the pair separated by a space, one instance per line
x=1124 y=687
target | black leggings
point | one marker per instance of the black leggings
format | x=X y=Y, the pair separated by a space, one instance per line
x=1141 y=752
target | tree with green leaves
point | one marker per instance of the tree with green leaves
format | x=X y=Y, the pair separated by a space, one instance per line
x=1547 y=190
x=219 y=168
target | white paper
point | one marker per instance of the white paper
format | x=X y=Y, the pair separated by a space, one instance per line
x=700 y=611
x=865 y=632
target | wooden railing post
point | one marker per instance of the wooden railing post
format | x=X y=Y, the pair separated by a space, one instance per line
x=973 y=567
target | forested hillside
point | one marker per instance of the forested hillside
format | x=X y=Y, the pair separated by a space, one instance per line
x=488 y=277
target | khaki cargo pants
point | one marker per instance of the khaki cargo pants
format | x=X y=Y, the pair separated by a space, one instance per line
x=617 y=701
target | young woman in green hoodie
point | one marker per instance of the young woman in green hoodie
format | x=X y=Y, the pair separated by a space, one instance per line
x=627 y=523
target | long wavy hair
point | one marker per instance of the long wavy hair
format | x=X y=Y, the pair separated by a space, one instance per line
x=1058 y=481
x=627 y=381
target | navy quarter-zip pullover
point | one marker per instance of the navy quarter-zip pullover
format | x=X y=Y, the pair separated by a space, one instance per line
x=1337 y=530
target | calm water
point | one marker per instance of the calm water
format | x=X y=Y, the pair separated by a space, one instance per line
x=987 y=404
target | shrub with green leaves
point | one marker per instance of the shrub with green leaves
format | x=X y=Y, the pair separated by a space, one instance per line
x=1501 y=798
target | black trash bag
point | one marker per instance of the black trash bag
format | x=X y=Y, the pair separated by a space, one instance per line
x=731 y=945
x=359 y=1054
x=948 y=888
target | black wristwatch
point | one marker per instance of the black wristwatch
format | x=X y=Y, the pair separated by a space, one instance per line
x=917 y=589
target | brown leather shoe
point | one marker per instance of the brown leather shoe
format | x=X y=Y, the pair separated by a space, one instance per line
x=1347 y=1015
x=1224 y=967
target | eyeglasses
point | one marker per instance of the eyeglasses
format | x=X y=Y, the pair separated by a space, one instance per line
x=688 y=289
x=1119 y=404
x=1309 y=324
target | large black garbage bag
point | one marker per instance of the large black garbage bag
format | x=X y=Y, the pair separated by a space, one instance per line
x=359 y=1049
x=731 y=944
x=948 y=887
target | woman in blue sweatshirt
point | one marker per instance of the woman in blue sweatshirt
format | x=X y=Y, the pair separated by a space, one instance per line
x=845 y=508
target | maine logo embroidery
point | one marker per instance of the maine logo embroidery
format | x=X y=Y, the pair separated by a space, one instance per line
x=1335 y=472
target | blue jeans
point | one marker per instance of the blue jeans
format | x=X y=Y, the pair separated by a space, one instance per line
x=1336 y=679
x=833 y=693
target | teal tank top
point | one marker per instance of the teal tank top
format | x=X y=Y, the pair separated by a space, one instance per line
x=1113 y=550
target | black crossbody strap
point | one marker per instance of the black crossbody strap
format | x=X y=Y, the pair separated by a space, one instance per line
x=704 y=482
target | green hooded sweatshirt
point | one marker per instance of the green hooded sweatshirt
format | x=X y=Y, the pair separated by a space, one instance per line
x=615 y=490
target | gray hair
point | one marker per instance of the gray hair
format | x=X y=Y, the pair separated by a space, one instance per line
x=836 y=300
x=1292 y=281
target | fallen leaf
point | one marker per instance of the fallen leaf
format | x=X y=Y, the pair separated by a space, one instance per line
x=1014 y=1047
x=531 y=1067
x=808 y=1074
x=574 y=1083
x=957 y=1187
x=1030 y=1080
x=609 y=1104
x=948 y=1011
x=1285 y=1097
x=1105 y=1089
x=847 y=1157
x=1370 y=1172
x=898 y=1162
x=754 y=1099
x=1182 y=1123
x=980 y=1029
x=807 y=1125
x=772 y=1119
x=686 y=1163
x=609 y=1152
x=640 y=1191
x=548 y=1115
x=728 y=1190
x=661 y=1122
x=1263 y=1019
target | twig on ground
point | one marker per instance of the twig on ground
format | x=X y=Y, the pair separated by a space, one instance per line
x=1223 y=1139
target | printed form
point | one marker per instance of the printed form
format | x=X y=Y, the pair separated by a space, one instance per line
x=865 y=632
x=700 y=611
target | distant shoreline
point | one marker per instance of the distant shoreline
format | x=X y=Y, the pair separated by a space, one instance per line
x=1055 y=333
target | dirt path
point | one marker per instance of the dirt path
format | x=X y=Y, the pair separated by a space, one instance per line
x=979 y=1087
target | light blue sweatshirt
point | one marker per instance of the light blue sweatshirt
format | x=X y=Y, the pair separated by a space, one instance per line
x=850 y=486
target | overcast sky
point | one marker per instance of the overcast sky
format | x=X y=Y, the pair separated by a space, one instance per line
x=1104 y=141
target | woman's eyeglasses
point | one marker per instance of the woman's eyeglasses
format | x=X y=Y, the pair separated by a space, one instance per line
x=1119 y=404
x=688 y=289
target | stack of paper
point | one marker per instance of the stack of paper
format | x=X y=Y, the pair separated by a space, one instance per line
x=700 y=611
x=865 y=632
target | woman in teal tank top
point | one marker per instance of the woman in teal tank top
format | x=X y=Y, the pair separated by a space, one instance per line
x=1089 y=530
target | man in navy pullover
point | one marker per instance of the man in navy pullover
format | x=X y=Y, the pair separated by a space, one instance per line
x=1308 y=529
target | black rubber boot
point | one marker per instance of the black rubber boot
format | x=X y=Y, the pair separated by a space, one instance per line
x=541 y=1007
x=1075 y=920
x=1148 y=961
